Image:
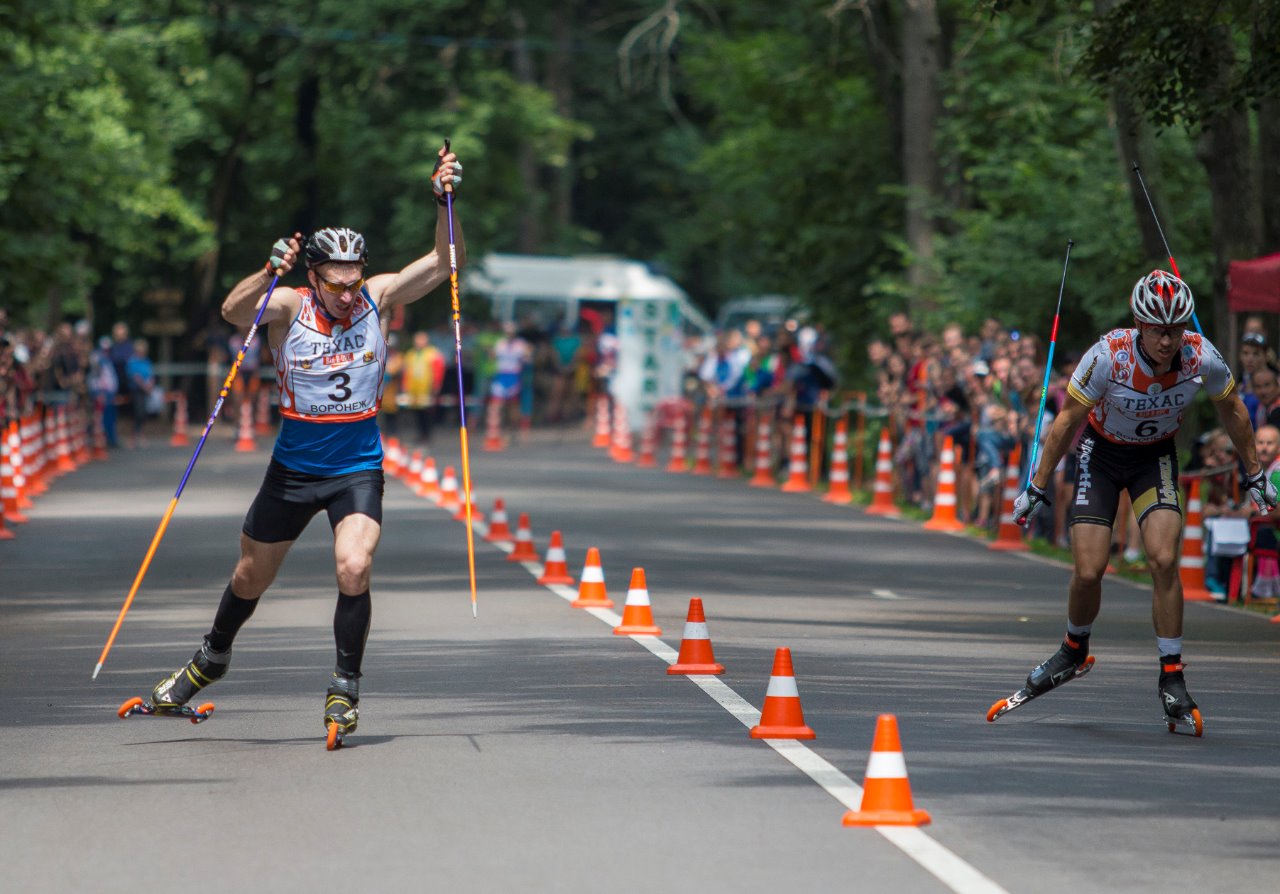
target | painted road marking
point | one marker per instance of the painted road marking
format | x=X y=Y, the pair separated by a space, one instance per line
x=940 y=862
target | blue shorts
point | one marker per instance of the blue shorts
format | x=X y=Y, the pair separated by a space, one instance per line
x=505 y=386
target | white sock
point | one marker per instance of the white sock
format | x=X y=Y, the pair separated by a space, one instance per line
x=1169 y=645
x=1079 y=629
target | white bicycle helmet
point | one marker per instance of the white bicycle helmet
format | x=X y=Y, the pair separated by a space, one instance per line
x=335 y=244
x=1161 y=299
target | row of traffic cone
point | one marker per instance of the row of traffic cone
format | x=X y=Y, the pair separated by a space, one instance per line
x=37 y=448
x=887 y=792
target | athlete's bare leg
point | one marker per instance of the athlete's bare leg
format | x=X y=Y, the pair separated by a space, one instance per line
x=258 y=565
x=355 y=540
x=1091 y=549
x=1161 y=537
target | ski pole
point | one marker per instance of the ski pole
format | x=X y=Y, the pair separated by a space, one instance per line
x=1048 y=367
x=1165 y=242
x=173 y=504
x=462 y=396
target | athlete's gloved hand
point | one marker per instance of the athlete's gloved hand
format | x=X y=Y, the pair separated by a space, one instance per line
x=284 y=254
x=1262 y=490
x=1028 y=504
x=446 y=173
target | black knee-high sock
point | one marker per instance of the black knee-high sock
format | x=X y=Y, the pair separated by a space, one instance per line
x=230 y=617
x=351 y=630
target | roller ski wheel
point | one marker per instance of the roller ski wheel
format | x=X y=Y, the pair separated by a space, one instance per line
x=1026 y=693
x=1193 y=721
x=137 y=707
x=333 y=738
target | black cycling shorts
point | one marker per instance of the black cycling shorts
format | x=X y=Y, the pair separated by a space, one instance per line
x=1149 y=472
x=288 y=500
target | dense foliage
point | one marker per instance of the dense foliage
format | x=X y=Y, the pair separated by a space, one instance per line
x=745 y=146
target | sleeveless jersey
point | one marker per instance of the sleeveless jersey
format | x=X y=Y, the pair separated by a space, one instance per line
x=331 y=371
x=1130 y=404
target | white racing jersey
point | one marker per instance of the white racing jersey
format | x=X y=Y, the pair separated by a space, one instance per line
x=1130 y=404
x=331 y=370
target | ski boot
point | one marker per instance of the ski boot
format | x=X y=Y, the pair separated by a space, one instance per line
x=341 y=708
x=1179 y=707
x=1070 y=661
x=175 y=690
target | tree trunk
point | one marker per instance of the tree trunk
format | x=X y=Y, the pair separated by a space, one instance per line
x=529 y=227
x=921 y=39
x=1224 y=150
x=878 y=31
x=1131 y=148
x=1268 y=143
x=560 y=83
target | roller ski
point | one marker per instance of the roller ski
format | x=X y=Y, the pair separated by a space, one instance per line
x=1179 y=707
x=170 y=696
x=341 y=709
x=1072 y=660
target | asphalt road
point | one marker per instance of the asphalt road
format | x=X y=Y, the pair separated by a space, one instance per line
x=532 y=750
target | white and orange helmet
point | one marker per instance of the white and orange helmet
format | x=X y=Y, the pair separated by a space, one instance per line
x=1162 y=299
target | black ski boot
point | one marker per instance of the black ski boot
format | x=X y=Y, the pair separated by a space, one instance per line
x=1179 y=706
x=1070 y=661
x=176 y=690
x=341 y=707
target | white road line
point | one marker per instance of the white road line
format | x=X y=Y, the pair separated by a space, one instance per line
x=935 y=858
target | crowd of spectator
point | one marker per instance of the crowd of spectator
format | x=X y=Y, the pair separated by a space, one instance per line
x=66 y=367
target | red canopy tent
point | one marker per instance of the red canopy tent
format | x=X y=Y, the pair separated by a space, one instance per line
x=1252 y=286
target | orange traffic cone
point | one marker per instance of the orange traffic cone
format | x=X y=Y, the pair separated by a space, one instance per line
x=637 y=616
x=621 y=452
x=782 y=717
x=798 y=471
x=449 y=498
x=392 y=462
x=728 y=446
x=696 y=655
x=262 y=416
x=493 y=441
x=886 y=792
x=19 y=462
x=882 y=500
x=555 y=570
x=499 y=531
x=244 y=442
x=763 y=475
x=429 y=481
x=79 y=439
x=524 y=551
x=677 y=462
x=8 y=491
x=839 y=492
x=702 y=451
x=1009 y=536
x=944 y=499
x=602 y=438
x=179 y=436
x=36 y=465
x=591 y=590
x=411 y=471
x=649 y=444
x=461 y=513
x=1191 y=565
x=66 y=459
